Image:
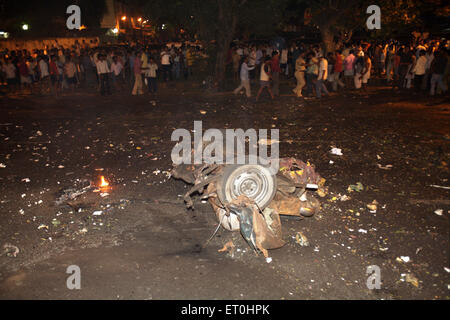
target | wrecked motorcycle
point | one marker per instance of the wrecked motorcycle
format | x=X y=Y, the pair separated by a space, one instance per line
x=249 y=198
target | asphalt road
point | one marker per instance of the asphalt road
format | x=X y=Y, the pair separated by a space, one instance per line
x=144 y=244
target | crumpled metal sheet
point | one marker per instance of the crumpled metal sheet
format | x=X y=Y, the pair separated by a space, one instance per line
x=298 y=171
x=266 y=226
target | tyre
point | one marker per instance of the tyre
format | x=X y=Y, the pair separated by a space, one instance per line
x=252 y=180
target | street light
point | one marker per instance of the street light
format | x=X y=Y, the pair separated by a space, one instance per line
x=123 y=18
x=139 y=19
x=25 y=26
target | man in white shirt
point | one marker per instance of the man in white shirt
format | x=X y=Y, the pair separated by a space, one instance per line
x=103 y=74
x=150 y=75
x=44 y=74
x=419 y=70
x=10 y=71
x=165 y=65
x=323 y=75
x=116 y=69
x=245 y=80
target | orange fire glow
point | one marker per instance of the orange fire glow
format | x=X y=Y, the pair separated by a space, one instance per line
x=103 y=182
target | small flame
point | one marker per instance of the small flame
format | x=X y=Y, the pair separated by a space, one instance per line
x=103 y=183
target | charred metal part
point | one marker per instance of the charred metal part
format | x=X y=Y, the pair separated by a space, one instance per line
x=294 y=184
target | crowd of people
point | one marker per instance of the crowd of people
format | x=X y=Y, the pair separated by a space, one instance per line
x=422 y=67
x=108 y=69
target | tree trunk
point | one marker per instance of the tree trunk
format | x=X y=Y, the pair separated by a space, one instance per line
x=327 y=39
x=227 y=20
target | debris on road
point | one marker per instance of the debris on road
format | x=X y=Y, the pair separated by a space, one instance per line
x=229 y=247
x=386 y=167
x=442 y=187
x=301 y=239
x=373 y=206
x=10 y=250
x=410 y=278
x=358 y=187
x=81 y=187
x=336 y=151
x=405 y=259
x=439 y=212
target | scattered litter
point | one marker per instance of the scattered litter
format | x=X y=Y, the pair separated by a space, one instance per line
x=336 y=151
x=358 y=187
x=229 y=246
x=104 y=194
x=2 y=165
x=447 y=269
x=373 y=206
x=56 y=222
x=268 y=259
x=10 y=250
x=301 y=239
x=26 y=180
x=60 y=166
x=386 y=167
x=42 y=226
x=439 y=212
x=410 y=278
x=402 y=259
x=442 y=187
x=202 y=111
x=73 y=192
x=331 y=162
x=268 y=142
x=362 y=231
x=97 y=213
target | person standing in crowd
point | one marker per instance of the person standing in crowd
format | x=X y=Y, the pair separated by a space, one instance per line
x=275 y=72
x=284 y=61
x=358 y=68
x=419 y=69
x=189 y=61
x=300 y=67
x=245 y=79
x=24 y=72
x=103 y=74
x=70 y=72
x=165 y=65
x=138 y=86
x=117 y=73
x=337 y=70
x=312 y=71
x=43 y=74
x=426 y=79
x=349 y=73
x=264 y=78
x=365 y=73
x=10 y=72
x=322 y=77
x=54 y=74
x=437 y=70
x=235 y=58
x=150 y=75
